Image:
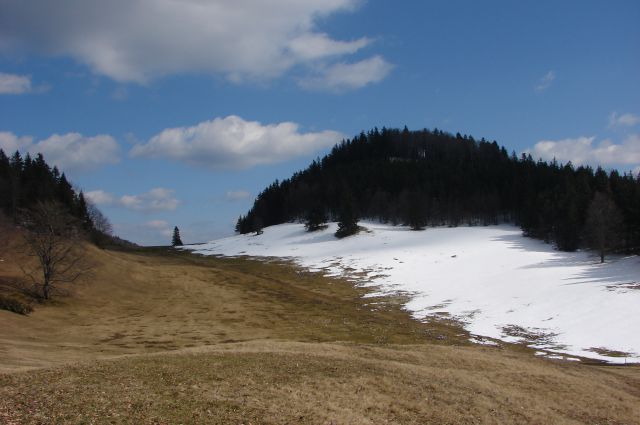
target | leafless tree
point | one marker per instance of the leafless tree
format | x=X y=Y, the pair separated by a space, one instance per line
x=100 y=222
x=53 y=238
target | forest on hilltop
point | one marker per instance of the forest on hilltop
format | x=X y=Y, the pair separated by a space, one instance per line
x=433 y=178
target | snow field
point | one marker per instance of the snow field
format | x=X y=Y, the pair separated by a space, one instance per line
x=496 y=282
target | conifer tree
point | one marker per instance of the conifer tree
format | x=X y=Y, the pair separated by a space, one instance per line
x=175 y=240
x=239 y=225
x=347 y=218
x=315 y=218
x=257 y=224
x=603 y=224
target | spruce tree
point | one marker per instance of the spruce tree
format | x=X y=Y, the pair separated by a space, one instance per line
x=175 y=240
x=603 y=225
x=315 y=218
x=257 y=225
x=347 y=218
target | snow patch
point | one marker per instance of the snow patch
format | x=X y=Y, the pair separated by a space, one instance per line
x=494 y=281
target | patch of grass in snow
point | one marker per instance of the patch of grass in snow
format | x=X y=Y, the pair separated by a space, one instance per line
x=610 y=353
x=533 y=337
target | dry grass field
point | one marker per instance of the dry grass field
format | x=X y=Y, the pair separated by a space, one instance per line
x=159 y=337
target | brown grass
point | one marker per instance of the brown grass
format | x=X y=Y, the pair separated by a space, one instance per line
x=162 y=337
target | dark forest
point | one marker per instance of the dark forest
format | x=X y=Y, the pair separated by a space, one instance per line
x=433 y=178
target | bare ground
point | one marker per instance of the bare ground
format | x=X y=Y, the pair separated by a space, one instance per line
x=162 y=337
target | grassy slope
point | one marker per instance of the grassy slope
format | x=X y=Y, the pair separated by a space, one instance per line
x=156 y=337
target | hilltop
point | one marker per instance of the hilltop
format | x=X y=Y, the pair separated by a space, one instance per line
x=433 y=178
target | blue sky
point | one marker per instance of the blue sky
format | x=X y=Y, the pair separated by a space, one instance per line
x=178 y=112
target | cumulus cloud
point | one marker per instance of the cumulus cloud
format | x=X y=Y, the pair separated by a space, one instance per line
x=237 y=195
x=345 y=76
x=73 y=151
x=546 y=81
x=138 y=40
x=583 y=150
x=70 y=152
x=100 y=197
x=10 y=143
x=14 y=84
x=155 y=200
x=624 y=120
x=233 y=143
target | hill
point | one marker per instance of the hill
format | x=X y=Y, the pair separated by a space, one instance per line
x=432 y=178
x=159 y=336
x=492 y=280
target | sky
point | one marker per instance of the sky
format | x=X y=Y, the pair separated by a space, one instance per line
x=179 y=112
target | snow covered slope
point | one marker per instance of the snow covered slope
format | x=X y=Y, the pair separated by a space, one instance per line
x=498 y=283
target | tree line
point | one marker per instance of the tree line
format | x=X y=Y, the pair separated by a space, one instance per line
x=24 y=182
x=434 y=178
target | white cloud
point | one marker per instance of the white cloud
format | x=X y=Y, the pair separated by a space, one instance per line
x=546 y=81
x=582 y=150
x=138 y=40
x=311 y=46
x=345 y=76
x=73 y=151
x=14 y=84
x=237 y=195
x=10 y=143
x=233 y=143
x=100 y=197
x=157 y=199
x=624 y=120
x=70 y=152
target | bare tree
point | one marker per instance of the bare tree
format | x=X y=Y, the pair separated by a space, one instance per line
x=52 y=237
x=603 y=224
x=99 y=221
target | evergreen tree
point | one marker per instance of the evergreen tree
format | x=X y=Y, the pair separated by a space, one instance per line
x=257 y=224
x=316 y=218
x=603 y=225
x=347 y=217
x=240 y=225
x=175 y=240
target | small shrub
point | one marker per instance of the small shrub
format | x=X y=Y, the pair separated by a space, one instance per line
x=14 y=305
